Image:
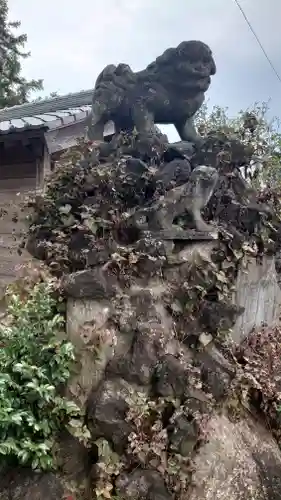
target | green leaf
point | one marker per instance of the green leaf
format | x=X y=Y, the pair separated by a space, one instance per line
x=16 y=418
x=35 y=463
x=23 y=456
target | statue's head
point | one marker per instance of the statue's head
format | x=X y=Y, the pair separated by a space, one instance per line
x=188 y=67
x=196 y=51
x=195 y=64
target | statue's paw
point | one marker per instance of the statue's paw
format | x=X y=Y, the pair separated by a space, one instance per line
x=199 y=142
x=203 y=227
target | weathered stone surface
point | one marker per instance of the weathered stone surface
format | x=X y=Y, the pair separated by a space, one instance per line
x=239 y=461
x=97 y=256
x=75 y=462
x=106 y=412
x=176 y=233
x=147 y=147
x=185 y=435
x=197 y=401
x=21 y=484
x=145 y=351
x=142 y=485
x=194 y=251
x=171 y=378
x=216 y=372
x=96 y=342
x=106 y=149
x=90 y=284
x=180 y=149
x=218 y=316
x=100 y=252
x=140 y=362
x=79 y=242
x=174 y=173
x=136 y=166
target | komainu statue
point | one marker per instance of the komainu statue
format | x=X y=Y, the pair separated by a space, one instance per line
x=169 y=91
x=190 y=197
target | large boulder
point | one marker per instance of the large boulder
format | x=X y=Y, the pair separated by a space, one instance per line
x=241 y=460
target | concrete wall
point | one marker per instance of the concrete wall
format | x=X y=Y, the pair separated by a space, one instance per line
x=260 y=294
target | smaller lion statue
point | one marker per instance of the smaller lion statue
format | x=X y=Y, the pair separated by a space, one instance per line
x=169 y=91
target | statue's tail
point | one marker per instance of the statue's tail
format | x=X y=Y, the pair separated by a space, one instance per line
x=120 y=76
x=107 y=74
x=109 y=92
x=110 y=88
x=103 y=89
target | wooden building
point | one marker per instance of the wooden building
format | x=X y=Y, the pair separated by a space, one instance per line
x=31 y=137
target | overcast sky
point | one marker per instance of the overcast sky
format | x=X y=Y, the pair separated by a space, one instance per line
x=72 y=40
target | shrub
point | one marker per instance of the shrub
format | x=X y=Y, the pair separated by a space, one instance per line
x=257 y=131
x=34 y=365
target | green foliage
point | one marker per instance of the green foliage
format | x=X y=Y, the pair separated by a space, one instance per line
x=14 y=89
x=34 y=364
x=253 y=128
x=52 y=95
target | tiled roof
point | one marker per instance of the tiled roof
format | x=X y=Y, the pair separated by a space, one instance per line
x=48 y=113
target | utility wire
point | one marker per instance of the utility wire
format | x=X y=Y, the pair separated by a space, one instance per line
x=257 y=39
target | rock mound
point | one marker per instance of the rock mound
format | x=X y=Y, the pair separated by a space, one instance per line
x=147 y=239
x=149 y=285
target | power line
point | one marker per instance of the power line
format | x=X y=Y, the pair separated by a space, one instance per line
x=258 y=40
